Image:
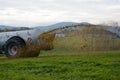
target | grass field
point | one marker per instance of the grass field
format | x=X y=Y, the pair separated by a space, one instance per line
x=63 y=65
x=65 y=62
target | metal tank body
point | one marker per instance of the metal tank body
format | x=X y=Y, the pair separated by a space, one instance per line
x=11 y=41
x=25 y=35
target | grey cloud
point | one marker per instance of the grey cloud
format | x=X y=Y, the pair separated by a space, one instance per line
x=58 y=10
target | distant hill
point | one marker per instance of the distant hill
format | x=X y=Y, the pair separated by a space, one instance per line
x=43 y=28
x=4 y=27
x=58 y=25
x=64 y=27
x=114 y=32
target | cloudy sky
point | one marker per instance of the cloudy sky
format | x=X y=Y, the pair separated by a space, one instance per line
x=45 y=12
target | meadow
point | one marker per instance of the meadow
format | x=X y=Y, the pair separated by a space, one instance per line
x=63 y=63
x=63 y=66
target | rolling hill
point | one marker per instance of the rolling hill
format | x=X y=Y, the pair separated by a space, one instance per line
x=66 y=30
x=59 y=25
x=4 y=27
x=63 y=27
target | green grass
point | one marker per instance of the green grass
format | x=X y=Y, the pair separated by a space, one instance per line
x=65 y=62
x=63 y=65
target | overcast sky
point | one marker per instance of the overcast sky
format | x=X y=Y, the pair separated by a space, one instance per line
x=45 y=12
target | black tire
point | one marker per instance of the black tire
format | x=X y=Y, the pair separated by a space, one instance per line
x=13 y=47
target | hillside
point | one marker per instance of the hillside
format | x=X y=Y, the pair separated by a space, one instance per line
x=3 y=27
x=59 y=25
x=43 y=28
x=12 y=28
x=65 y=27
x=88 y=30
